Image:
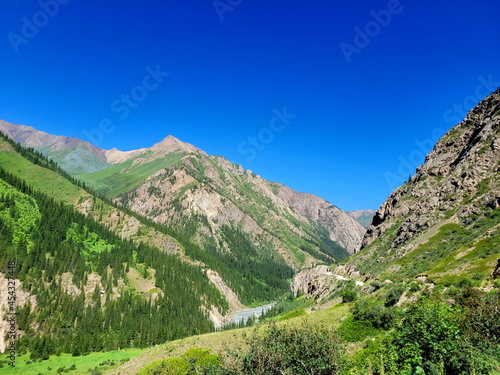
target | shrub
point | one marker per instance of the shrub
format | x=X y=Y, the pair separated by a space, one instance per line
x=376 y=285
x=481 y=320
x=349 y=295
x=378 y=315
x=464 y=283
x=414 y=287
x=349 y=292
x=352 y=330
x=167 y=366
x=429 y=341
x=394 y=295
x=200 y=359
x=193 y=361
x=298 y=350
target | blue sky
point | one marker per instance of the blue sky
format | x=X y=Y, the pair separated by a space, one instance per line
x=337 y=98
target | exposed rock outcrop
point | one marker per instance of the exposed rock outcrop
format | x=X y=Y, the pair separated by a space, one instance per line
x=320 y=281
x=22 y=298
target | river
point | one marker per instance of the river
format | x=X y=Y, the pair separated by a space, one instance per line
x=244 y=315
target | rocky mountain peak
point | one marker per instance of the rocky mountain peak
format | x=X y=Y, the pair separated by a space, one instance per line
x=172 y=144
x=115 y=156
x=168 y=145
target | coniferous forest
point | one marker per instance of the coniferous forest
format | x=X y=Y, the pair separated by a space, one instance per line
x=47 y=239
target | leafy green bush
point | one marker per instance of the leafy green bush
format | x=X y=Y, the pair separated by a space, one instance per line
x=167 y=366
x=429 y=341
x=289 y=350
x=378 y=315
x=200 y=359
x=349 y=295
x=376 y=285
x=394 y=295
x=370 y=359
x=464 y=282
x=481 y=319
x=415 y=287
x=352 y=330
x=193 y=361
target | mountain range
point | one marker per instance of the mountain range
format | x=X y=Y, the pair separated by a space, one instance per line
x=209 y=186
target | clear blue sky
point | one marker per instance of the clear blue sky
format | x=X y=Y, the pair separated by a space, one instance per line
x=366 y=80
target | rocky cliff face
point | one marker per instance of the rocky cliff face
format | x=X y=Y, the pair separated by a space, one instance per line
x=453 y=197
x=319 y=282
x=459 y=177
x=342 y=227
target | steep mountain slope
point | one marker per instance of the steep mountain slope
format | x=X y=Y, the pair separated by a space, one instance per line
x=364 y=217
x=136 y=182
x=342 y=229
x=42 y=175
x=175 y=186
x=75 y=155
x=446 y=219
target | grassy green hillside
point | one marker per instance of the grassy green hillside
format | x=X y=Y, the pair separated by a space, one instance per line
x=46 y=180
x=448 y=251
x=66 y=363
x=123 y=177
